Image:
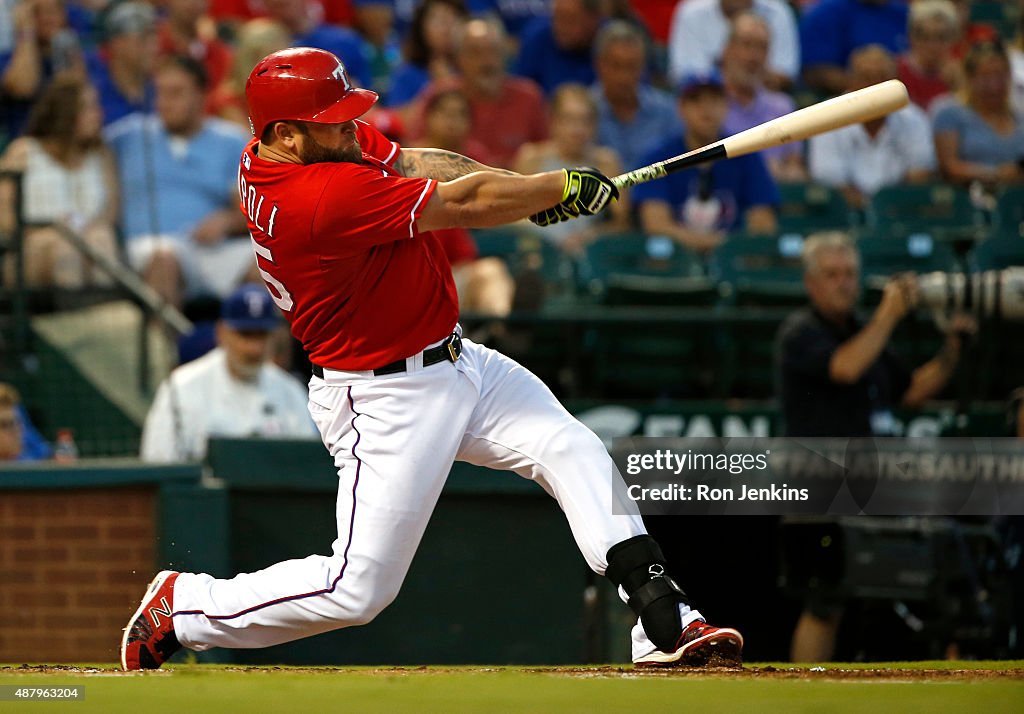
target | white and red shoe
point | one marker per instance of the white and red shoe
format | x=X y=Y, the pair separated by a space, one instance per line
x=149 y=638
x=700 y=645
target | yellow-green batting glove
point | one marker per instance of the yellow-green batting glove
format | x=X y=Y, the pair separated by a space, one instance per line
x=587 y=191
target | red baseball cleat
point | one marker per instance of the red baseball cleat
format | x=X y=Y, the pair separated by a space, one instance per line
x=149 y=639
x=700 y=645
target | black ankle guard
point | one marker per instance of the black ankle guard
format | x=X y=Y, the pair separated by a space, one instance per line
x=638 y=566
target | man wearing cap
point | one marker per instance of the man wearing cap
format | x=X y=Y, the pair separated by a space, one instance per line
x=341 y=222
x=234 y=390
x=122 y=69
x=697 y=207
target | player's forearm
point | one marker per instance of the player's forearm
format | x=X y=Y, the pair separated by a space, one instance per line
x=485 y=199
x=439 y=164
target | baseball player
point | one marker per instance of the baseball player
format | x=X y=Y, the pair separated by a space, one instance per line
x=340 y=219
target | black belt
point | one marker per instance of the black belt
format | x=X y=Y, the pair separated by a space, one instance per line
x=450 y=350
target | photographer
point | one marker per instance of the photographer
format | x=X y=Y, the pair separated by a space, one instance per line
x=839 y=377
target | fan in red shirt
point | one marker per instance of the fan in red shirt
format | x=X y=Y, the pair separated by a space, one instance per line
x=341 y=222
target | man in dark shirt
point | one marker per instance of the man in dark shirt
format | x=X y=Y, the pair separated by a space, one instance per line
x=839 y=378
x=837 y=375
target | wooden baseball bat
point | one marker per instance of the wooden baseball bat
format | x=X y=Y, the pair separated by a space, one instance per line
x=853 y=108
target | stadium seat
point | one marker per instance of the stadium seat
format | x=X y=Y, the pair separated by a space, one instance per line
x=523 y=250
x=1010 y=210
x=1002 y=250
x=1000 y=14
x=807 y=207
x=633 y=269
x=761 y=271
x=940 y=209
x=882 y=255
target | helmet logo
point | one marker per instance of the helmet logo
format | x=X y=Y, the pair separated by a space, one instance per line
x=341 y=75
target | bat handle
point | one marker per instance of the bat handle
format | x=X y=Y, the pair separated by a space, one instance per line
x=641 y=175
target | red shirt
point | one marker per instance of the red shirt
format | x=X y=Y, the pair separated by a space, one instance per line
x=338 y=247
x=517 y=116
x=922 y=88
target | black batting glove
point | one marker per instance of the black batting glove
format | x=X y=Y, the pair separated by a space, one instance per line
x=557 y=214
x=587 y=191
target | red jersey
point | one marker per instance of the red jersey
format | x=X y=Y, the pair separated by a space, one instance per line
x=338 y=248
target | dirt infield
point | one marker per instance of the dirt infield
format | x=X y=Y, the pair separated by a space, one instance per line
x=966 y=673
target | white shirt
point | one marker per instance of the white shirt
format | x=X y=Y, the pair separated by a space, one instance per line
x=201 y=399
x=848 y=156
x=700 y=31
x=1017 y=79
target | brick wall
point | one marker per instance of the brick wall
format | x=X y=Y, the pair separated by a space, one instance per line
x=73 y=567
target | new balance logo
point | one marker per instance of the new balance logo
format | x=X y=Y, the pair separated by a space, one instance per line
x=155 y=612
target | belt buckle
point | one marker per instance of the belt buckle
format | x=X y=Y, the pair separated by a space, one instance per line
x=454 y=346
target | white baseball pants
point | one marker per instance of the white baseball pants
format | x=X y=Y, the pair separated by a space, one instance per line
x=393 y=439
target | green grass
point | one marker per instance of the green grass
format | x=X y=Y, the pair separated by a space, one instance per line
x=185 y=688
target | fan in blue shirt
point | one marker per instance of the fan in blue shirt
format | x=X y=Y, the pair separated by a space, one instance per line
x=698 y=206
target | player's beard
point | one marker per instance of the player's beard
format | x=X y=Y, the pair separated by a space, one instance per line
x=313 y=152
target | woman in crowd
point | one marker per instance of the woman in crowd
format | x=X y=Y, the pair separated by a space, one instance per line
x=977 y=137
x=572 y=143
x=429 y=54
x=447 y=120
x=69 y=184
x=929 y=68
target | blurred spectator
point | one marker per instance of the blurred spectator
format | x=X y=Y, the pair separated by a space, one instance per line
x=971 y=33
x=429 y=50
x=656 y=16
x=862 y=158
x=10 y=423
x=977 y=137
x=232 y=391
x=929 y=68
x=557 y=50
x=696 y=207
x=700 y=29
x=122 y=70
x=484 y=285
x=507 y=111
x=303 y=20
x=69 y=183
x=831 y=30
x=182 y=227
x=751 y=103
x=573 y=130
x=1017 y=69
x=42 y=46
x=516 y=15
x=375 y=21
x=186 y=29
x=631 y=114
x=230 y=12
x=255 y=40
x=447 y=122
x=838 y=377
x=19 y=439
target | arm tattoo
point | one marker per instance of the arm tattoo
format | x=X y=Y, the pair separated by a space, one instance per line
x=438 y=164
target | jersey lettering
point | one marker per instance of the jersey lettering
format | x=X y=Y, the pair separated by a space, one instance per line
x=282 y=298
x=252 y=200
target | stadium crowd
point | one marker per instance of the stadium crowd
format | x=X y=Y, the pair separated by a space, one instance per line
x=127 y=117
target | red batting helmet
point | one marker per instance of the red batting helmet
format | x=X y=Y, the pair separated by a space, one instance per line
x=303 y=83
